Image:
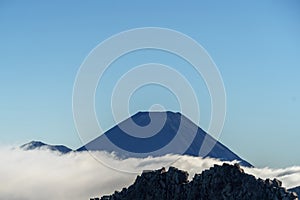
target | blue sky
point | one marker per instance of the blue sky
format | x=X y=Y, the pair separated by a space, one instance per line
x=255 y=45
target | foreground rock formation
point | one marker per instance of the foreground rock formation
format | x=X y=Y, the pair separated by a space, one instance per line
x=295 y=189
x=219 y=182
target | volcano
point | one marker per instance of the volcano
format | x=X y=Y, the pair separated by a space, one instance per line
x=159 y=133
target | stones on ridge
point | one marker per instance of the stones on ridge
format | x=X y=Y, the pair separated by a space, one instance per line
x=218 y=182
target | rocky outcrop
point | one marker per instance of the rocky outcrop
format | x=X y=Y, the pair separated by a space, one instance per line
x=219 y=182
x=295 y=189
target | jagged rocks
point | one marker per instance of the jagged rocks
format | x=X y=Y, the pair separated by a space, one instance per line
x=296 y=190
x=219 y=182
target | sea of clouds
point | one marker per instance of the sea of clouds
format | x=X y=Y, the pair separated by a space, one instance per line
x=42 y=174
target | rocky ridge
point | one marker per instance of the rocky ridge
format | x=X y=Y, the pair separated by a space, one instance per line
x=295 y=189
x=218 y=182
x=42 y=146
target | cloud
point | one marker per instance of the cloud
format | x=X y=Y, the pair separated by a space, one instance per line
x=290 y=176
x=41 y=174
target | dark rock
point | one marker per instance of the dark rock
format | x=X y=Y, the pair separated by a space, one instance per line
x=219 y=182
x=295 y=190
x=277 y=183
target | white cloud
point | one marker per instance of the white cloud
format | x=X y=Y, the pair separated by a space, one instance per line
x=40 y=174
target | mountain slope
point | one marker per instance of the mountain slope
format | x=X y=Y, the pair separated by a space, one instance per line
x=125 y=145
x=217 y=183
x=40 y=145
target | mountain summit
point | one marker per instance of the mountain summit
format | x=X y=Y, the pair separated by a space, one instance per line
x=132 y=138
x=40 y=145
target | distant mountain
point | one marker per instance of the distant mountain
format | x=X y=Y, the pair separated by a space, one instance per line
x=217 y=183
x=40 y=145
x=125 y=145
x=295 y=189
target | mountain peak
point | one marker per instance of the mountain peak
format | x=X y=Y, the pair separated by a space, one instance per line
x=32 y=145
x=40 y=145
x=173 y=134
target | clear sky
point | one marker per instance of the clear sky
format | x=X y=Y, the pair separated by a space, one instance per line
x=255 y=44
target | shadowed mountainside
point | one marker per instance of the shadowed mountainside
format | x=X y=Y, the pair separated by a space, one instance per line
x=125 y=145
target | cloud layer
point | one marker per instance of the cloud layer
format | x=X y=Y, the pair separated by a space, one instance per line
x=41 y=174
